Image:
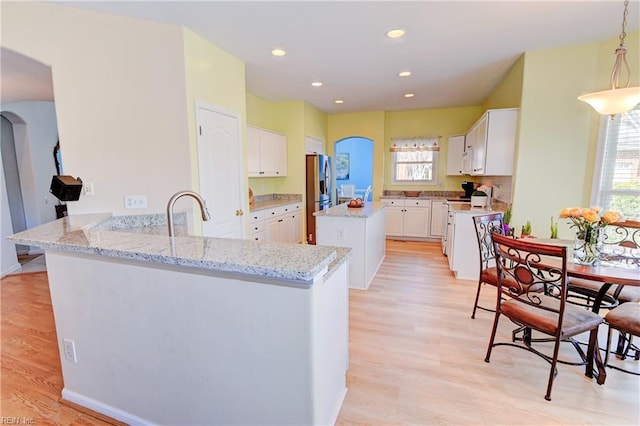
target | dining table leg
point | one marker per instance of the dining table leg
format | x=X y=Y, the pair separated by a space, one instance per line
x=593 y=351
x=594 y=359
x=597 y=302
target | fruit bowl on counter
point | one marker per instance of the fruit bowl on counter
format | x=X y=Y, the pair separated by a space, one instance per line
x=355 y=203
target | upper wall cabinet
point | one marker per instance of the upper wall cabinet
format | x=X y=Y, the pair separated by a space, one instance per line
x=455 y=155
x=313 y=145
x=490 y=143
x=266 y=152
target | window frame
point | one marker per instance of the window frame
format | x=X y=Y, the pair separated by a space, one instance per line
x=600 y=165
x=431 y=182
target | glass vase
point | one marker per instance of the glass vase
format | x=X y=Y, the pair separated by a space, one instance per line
x=587 y=247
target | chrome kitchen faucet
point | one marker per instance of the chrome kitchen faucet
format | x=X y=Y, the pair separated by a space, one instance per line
x=172 y=201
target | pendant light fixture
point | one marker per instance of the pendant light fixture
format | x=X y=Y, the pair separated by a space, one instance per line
x=618 y=99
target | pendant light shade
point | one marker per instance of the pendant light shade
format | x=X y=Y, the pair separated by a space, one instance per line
x=614 y=101
x=618 y=99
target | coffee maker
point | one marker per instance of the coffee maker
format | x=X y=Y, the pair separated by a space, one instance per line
x=468 y=187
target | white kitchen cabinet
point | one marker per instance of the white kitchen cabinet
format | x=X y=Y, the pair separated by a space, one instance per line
x=266 y=152
x=364 y=234
x=438 y=224
x=314 y=145
x=279 y=224
x=407 y=218
x=490 y=143
x=395 y=217
x=463 y=253
x=455 y=155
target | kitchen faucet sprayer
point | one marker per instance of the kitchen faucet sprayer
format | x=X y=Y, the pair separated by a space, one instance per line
x=203 y=208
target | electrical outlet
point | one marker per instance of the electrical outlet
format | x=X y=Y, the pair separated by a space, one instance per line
x=88 y=189
x=135 y=201
x=340 y=233
x=70 y=350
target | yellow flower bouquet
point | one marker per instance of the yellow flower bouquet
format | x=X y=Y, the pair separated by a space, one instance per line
x=589 y=225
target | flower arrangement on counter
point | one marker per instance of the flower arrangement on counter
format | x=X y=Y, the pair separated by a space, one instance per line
x=588 y=220
x=589 y=226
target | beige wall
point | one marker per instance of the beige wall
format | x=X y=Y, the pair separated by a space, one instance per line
x=558 y=134
x=126 y=108
x=216 y=78
x=508 y=93
x=442 y=122
x=363 y=124
x=120 y=100
x=126 y=111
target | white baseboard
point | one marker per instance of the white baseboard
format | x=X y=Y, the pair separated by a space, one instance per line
x=107 y=410
x=339 y=405
x=11 y=269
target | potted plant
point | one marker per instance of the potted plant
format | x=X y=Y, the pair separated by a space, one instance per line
x=506 y=220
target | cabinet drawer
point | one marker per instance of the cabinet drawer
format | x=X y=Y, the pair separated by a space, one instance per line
x=417 y=203
x=257 y=216
x=288 y=209
x=258 y=226
x=394 y=202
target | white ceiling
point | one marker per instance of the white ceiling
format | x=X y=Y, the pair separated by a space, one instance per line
x=457 y=50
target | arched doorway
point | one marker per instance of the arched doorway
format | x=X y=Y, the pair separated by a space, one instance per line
x=29 y=134
x=11 y=177
x=354 y=166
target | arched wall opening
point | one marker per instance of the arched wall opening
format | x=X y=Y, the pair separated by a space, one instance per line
x=354 y=165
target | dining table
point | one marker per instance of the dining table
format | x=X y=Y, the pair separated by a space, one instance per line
x=614 y=267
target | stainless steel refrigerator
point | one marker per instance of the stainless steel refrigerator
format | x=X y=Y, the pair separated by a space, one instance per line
x=319 y=184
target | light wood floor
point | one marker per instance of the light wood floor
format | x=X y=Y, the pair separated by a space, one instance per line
x=415 y=357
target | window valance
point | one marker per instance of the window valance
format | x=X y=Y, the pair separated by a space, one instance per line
x=413 y=144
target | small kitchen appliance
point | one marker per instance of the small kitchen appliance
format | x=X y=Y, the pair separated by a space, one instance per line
x=468 y=187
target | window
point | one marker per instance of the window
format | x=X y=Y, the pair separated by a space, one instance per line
x=617 y=183
x=415 y=161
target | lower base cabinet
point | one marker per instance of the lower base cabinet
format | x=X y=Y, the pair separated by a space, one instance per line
x=408 y=218
x=280 y=224
x=438 y=225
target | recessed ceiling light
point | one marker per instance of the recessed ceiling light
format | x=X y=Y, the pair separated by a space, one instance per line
x=395 y=33
x=404 y=73
x=316 y=84
x=339 y=101
x=409 y=95
x=278 y=52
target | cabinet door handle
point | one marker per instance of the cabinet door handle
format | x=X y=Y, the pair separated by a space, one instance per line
x=239 y=212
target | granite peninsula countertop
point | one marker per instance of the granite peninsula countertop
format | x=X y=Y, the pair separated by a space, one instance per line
x=126 y=237
x=263 y=202
x=342 y=210
x=423 y=195
x=496 y=206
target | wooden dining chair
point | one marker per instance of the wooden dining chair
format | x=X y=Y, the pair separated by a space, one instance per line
x=531 y=265
x=622 y=244
x=485 y=225
x=626 y=320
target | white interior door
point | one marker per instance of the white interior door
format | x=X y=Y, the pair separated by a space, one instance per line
x=220 y=171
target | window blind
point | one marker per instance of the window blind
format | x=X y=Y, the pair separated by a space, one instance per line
x=620 y=176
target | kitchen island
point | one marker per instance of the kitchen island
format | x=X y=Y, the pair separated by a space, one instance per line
x=193 y=330
x=363 y=230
